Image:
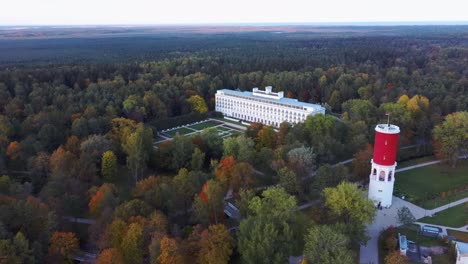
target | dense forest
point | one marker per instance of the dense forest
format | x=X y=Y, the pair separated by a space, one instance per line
x=78 y=117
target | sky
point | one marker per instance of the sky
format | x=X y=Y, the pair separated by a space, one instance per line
x=127 y=12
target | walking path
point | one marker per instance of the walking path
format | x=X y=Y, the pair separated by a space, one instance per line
x=388 y=217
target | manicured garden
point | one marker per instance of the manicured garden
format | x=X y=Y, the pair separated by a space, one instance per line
x=204 y=125
x=434 y=185
x=456 y=216
x=181 y=131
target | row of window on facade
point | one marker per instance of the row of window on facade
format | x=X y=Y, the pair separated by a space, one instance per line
x=252 y=105
x=276 y=122
x=256 y=100
x=266 y=109
x=382 y=175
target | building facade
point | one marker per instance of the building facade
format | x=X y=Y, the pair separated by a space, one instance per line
x=382 y=176
x=266 y=107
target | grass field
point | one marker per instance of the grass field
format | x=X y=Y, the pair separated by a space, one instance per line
x=423 y=185
x=204 y=125
x=181 y=131
x=412 y=162
x=194 y=129
x=459 y=236
x=412 y=233
x=456 y=216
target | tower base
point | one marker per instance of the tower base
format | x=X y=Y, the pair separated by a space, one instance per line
x=381 y=181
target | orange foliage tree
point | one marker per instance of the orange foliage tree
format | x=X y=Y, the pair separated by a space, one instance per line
x=170 y=251
x=110 y=256
x=13 y=150
x=63 y=245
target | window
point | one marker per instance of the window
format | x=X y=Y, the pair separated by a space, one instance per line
x=382 y=176
x=374 y=172
x=390 y=176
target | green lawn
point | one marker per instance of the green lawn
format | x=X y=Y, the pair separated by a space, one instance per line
x=423 y=185
x=456 y=216
x=204 y=125
x=412 y=233
x=412 y=162
x=459 y=235
x=181 y=131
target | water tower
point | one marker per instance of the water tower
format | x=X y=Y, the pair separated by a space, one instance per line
x=382 y=176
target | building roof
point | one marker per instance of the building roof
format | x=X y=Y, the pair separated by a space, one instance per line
x=284 y=100
x=462 y=247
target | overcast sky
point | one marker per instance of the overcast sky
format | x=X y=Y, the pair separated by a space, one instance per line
x=92 y=12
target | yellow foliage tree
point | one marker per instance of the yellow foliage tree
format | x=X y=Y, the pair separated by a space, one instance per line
x=198 y=104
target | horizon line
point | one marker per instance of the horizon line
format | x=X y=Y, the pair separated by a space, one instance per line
x=327 y=23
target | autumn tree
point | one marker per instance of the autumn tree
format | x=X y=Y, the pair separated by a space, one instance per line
x=361 y=164
x=13 y=150
x=132 y=243
x=209 y=205
x=396 y=258
x=170 y=252
x=103 y=197
x=108 y=165
x=215 y=245
x=266 y=138
x=138 y=147
x=241 y=176
x=63 y=245
x=451 y=137
x=110 y=256
x=198 y=104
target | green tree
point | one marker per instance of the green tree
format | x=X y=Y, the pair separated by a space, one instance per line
x=349 y=206
x=324 y=244
x=181 y=152
x=266 y=235
x=451 y=137
x=210 y=208
x=185 y=186
x=301 y=160
x=215 y=245
x=138 y=147
x=132 y=243
x=404 y=216
x=289 y=181
x=198 y=159
x=108 y=165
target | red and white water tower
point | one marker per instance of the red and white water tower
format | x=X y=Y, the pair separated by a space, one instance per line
x=382 y=175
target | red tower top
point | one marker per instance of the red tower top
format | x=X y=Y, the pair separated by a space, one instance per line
x=385 y=144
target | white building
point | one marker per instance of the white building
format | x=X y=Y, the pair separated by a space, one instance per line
x=265 y=107
x=462 y=252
